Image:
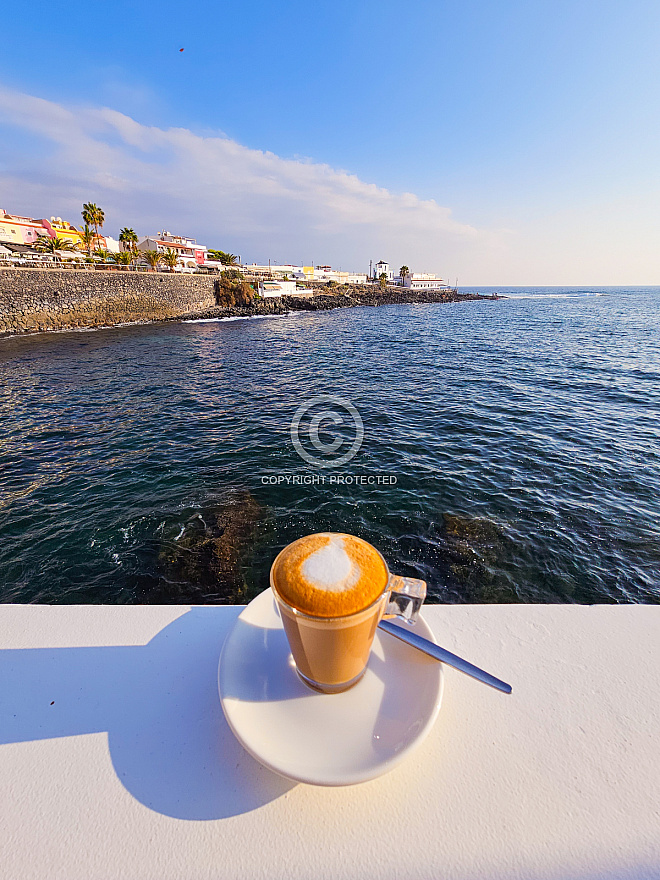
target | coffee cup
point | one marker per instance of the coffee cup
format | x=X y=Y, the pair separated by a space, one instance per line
x=332 y=589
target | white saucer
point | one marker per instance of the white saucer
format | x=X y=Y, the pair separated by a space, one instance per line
x=324 y=739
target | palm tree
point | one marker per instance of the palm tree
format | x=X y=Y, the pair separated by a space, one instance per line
x=123 y=258
x=382 y=278
x=170 y=258
x=403 y=271
x=223 y=257
x=88 y=212
x=102 y=253
x=128 y=237
x=88 y=238
x=153 y=258
x=47 y=245
x=93 y=216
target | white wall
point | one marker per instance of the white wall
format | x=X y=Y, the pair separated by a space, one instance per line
x=116 y=760
x=277 y=288
x=112 y=244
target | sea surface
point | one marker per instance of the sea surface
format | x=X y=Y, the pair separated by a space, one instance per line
x=510 y=450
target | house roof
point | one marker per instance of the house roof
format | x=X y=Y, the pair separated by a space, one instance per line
x=173 y=245
x=19 y=248
x=22 y=221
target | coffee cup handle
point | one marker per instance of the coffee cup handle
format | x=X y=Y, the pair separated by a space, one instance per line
x=405 y=599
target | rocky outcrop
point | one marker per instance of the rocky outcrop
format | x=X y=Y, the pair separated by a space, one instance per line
x=206 y=564
x=344 y=298
x=472 y=553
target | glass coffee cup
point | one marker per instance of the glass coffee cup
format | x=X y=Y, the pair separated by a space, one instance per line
x=332 y=589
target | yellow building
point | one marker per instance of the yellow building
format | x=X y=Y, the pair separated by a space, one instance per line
x=65 y=230
x=15 y=229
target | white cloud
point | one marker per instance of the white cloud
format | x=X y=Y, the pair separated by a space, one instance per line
x=229 y=195
x=260 y=205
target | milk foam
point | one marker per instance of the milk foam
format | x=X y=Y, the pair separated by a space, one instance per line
x=330 y=567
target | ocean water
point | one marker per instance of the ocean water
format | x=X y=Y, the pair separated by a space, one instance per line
x=510 y=449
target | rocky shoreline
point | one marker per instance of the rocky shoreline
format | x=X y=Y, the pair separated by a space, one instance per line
x=38 y=300
x=349 y=296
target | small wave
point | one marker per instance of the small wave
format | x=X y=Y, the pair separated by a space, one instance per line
x=124 y=324
x=233 y=318
x=22 y=334
x=549 y=295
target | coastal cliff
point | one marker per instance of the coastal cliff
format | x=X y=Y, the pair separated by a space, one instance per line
x=35 y=300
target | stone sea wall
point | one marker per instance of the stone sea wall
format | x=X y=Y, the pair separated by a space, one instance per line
x=47 y=299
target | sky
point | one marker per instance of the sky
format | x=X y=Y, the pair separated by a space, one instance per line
x=498 y=143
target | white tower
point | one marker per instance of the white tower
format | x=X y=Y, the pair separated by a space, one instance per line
x=381 y=268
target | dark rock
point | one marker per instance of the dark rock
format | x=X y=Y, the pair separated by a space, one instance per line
x=473 y=550
x=206 y=564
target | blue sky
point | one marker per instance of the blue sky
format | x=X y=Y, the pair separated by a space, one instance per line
x=500 y=143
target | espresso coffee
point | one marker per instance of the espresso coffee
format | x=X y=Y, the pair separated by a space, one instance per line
x=331 y=591
x=330 y=575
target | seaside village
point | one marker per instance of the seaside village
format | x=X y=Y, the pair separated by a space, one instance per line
x=57 y=243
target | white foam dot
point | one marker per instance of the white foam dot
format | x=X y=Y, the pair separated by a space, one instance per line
x=331 y=568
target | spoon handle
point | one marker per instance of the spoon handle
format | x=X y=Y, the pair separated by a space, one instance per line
x=422 y=644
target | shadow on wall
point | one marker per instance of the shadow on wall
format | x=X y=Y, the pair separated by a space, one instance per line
x=168 y=739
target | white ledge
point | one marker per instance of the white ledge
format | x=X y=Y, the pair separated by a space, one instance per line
x=116 y=761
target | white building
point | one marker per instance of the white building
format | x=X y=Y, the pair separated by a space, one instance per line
x=111 y=244
x=306 y=273
x=421 y=281
x=190 y=254
x=412 y=280
x=215 y=264
x=382 y=268
x=277 y=288
x=326 y=273
x=277 y=271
